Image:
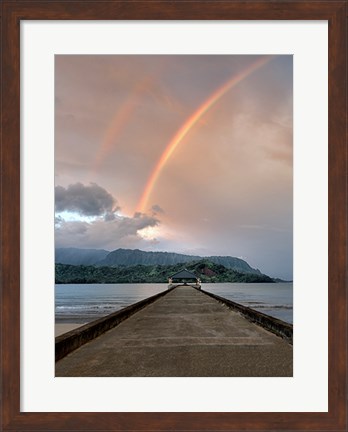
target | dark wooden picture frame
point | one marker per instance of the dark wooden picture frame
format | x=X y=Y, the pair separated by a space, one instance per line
x=13 y=12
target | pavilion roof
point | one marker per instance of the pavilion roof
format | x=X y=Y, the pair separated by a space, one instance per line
x=184 y=274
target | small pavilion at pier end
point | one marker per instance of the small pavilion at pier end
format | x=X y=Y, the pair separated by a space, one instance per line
x=184 y=277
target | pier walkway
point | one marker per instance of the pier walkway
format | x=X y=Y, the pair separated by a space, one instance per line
x=184 y=333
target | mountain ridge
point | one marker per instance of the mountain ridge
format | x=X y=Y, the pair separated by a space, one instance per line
x=77 y=256
x=131 y=257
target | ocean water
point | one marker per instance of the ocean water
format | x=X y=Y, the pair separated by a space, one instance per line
x=274 y=299
x=82 y=303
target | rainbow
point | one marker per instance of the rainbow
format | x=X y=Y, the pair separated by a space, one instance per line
x=121 y=119
x=189 y=123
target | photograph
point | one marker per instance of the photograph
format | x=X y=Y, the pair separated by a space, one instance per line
x=173 y=205
x=173 y=215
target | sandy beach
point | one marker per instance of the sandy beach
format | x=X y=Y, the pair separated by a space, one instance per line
x=64 y=328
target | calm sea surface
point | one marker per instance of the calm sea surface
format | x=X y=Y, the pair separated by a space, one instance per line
x=273 y=299
x=84 y=303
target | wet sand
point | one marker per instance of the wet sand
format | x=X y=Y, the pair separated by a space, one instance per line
x=60 y=329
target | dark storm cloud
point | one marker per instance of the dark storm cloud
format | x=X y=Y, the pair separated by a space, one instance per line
x=110 y=229
x=90 y=200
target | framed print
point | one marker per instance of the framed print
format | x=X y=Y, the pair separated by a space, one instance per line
x=211 y=130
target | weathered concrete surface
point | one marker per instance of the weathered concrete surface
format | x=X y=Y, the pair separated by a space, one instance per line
x=276 y=326
x=184 y=333
x=68 y=342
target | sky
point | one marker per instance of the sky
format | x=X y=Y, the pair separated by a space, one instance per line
x=181 y=153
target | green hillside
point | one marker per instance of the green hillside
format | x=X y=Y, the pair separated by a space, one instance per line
x=206 y=270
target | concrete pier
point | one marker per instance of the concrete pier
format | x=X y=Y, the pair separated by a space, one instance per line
x=184 y=333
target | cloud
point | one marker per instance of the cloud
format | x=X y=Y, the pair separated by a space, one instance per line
x=108 y=229
x=101 y=233
x=58 y=220
x=157 y=209
x=90 y=200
